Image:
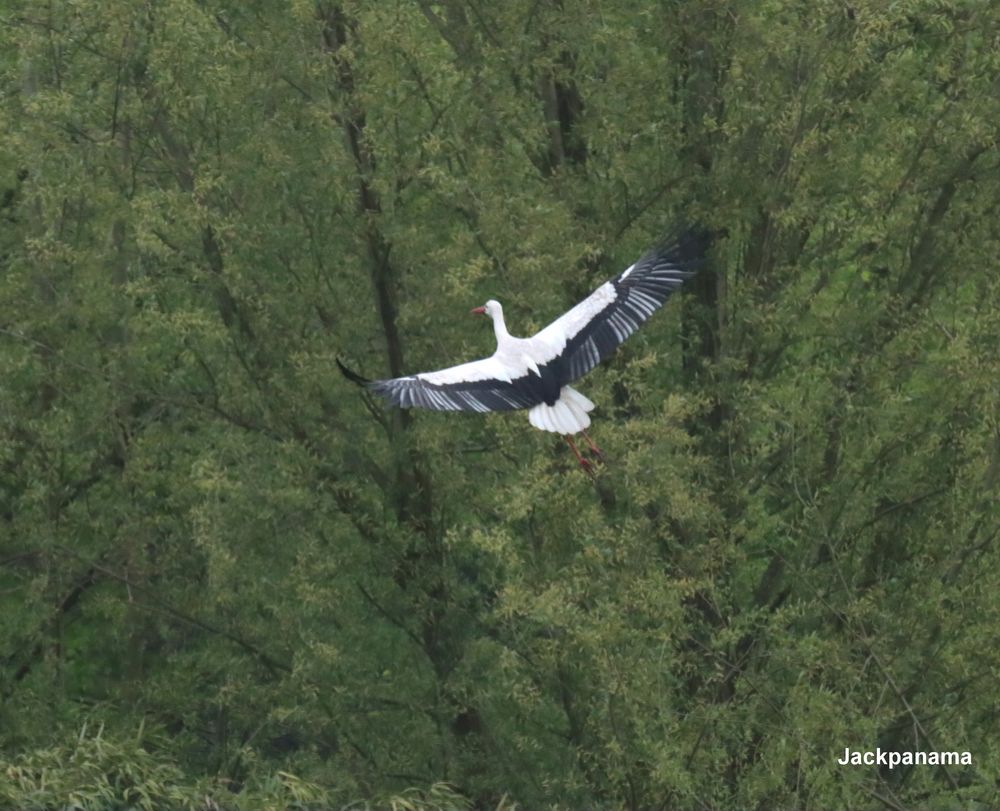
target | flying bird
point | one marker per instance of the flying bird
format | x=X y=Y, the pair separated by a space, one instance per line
x=534 y=373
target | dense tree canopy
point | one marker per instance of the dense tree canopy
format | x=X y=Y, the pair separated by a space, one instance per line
x=225 y=574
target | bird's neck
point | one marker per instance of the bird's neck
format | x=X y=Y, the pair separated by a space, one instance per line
x=500 y=329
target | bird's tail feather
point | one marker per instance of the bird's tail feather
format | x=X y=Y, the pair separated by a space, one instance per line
x=567 y=416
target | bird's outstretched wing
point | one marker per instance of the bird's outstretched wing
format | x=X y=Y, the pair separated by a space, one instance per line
x=481 y=385
x=582 y=337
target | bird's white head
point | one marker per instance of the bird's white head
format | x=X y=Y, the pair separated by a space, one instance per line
x=491 y=308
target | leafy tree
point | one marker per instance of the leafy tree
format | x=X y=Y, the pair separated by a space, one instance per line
x=207 y=533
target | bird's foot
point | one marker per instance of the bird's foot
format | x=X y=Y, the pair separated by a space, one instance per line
x=586 y=464
x=594 y=448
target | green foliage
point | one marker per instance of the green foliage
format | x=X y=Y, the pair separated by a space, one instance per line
x=98 y=772
x=204 y=529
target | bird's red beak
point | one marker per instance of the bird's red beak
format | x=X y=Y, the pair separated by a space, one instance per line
x=478 y=310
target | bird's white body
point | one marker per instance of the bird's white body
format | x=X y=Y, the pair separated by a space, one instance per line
x=517 y=358
x=534 y=373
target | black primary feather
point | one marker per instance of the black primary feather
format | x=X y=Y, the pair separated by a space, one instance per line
x=354 y=377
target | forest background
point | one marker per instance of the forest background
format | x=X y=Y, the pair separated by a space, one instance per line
x=226 y=581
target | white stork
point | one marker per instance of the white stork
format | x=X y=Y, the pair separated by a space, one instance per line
x=535 y=373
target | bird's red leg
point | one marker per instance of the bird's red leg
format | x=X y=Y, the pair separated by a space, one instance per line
x=583 y=462
x=593 y=446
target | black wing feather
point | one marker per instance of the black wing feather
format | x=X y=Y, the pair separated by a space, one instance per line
x=639 y=292
x=472 y=395
x=479 y=395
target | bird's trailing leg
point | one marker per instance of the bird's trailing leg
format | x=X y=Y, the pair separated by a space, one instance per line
x=583 y=462
x=593 y=446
